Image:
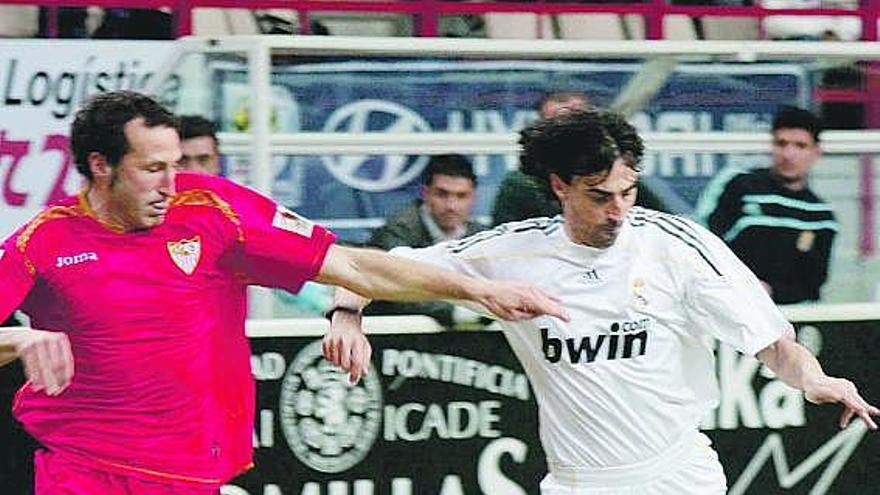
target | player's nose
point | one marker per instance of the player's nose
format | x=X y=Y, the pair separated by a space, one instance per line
x=166 y=184
x=616 y=209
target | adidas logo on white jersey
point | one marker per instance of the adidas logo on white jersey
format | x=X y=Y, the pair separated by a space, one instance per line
x=591 y=276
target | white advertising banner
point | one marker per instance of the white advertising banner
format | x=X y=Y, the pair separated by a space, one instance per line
x=42 y=84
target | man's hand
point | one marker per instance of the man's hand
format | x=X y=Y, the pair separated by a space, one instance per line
x=47 y=358
x=827 y=389
x=515 y=301
x=346 y=346
x=797 y=367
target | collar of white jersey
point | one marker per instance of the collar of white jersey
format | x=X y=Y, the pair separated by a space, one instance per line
x=584 y=251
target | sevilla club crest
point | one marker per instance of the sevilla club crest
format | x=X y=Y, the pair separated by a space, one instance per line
x=186 y=253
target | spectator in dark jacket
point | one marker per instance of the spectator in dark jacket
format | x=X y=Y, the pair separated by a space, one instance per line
x=443 y=213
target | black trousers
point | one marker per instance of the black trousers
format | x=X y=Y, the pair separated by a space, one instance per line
x=16 y=446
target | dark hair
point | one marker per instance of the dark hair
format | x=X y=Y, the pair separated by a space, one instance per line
x=194 y=126
x=452 y=164
x=560 y=97
x=100 y=125
x=580 y=142
x=789 y=117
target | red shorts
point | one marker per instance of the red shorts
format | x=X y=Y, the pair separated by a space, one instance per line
x=55 y=475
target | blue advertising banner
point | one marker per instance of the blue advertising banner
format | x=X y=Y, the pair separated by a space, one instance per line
x=354 y=193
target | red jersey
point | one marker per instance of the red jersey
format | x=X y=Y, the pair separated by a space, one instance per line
x=162 y=386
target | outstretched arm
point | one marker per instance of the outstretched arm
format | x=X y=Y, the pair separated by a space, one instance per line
x=797 y=367
x=378 y=275
x=47 y=358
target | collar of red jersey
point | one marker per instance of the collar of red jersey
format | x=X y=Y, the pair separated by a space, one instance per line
x=86 y=207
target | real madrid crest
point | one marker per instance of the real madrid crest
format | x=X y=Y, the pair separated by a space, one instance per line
x=186 y=253
x=638 y=292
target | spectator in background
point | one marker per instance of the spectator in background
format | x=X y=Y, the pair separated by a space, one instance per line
x=520 y=197
x=199 y=145
x=443 y=213
x=771 y=218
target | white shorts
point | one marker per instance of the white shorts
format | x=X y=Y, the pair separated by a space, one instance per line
x=689 y=468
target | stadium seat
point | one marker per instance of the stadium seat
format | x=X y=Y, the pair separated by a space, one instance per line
x=680 y=27
x=519 y=26
x=601 y=27
x=19 y=21
x=364 y=23
x=730 y=28
x=216 y=22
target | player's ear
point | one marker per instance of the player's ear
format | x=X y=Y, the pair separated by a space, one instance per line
x=98 y=165
x=559 y=187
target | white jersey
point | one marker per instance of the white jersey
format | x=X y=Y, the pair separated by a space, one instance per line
x=633 y=370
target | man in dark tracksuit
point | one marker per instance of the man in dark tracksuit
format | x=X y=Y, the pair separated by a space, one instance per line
x=771 y=219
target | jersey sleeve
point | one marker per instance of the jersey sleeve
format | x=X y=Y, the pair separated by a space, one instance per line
x=447 y=255
x=17 y=277
x=725 y=299
x=277 y=247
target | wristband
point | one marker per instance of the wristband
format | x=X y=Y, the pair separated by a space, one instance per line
x=344 y=309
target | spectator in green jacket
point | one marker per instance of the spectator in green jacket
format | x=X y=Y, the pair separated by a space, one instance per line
x=520 y=197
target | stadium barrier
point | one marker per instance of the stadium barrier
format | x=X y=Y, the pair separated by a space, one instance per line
x=453 y=413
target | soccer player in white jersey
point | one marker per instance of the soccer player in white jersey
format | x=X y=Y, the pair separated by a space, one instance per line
x=622 y=386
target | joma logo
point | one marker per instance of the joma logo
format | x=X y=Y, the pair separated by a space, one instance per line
x=75 y=259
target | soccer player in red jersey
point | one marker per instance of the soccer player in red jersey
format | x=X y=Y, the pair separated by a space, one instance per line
x=139 y=377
